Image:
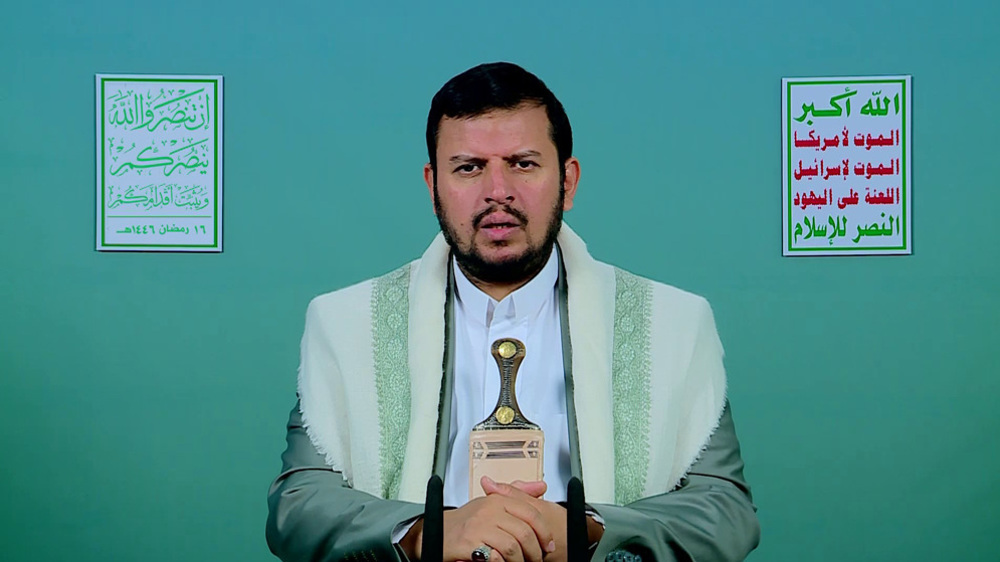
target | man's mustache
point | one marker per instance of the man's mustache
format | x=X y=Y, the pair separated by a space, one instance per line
x=522 y=219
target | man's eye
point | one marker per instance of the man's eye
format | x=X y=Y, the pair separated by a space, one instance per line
x=466 y=168
x=525 y=164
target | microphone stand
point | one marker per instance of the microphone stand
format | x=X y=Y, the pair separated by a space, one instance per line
x=576 y=521
x=432 y=548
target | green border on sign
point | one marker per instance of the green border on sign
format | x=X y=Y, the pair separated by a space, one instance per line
x=215 y=90
x=788 y=162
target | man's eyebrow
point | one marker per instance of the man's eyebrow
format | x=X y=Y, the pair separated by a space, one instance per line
x=464 y=158
x=517 y=156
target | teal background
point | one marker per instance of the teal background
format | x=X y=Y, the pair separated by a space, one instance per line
x=143 y=396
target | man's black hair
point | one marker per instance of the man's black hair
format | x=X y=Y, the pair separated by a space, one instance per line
x=493 y=86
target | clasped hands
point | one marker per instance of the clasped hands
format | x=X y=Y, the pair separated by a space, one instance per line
x=512 y=519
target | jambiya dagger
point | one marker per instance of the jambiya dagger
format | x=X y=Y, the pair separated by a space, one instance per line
x=505 y=446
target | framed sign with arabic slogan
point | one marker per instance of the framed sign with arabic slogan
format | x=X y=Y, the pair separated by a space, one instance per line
x=847 y=186
x=159 y=163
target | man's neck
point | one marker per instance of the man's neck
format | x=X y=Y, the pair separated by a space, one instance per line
x=496 y=291
x=499 y=290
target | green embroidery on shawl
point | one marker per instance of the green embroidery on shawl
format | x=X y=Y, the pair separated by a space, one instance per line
x=630 y=372
x=390 y=307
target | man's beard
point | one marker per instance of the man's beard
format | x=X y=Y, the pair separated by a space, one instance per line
x=511 y=270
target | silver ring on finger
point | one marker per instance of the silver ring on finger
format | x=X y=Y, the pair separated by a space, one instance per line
x=481 y=554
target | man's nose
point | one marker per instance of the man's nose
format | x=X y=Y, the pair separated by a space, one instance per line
x=498 y=186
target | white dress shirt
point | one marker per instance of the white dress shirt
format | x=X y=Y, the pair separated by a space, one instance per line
x=530 y=314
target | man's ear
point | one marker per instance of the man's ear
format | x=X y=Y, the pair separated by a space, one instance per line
x=572 y=171
x=429 y=180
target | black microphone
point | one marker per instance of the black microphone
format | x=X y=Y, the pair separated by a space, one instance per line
x=432 y=548
x=576 y=521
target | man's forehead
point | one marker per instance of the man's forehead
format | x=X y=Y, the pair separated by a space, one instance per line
x=525 y=127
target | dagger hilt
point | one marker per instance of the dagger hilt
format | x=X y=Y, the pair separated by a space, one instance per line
x=508 y=353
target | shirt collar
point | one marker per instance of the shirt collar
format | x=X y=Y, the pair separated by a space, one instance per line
x=521 y=304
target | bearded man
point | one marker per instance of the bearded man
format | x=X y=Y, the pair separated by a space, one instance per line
x=623 y=374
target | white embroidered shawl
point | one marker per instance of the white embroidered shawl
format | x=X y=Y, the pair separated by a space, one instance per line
x=647 y=371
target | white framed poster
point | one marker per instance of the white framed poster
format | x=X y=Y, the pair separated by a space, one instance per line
x=846 y=166
x=159 y=163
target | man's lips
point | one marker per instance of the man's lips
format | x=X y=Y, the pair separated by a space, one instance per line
x=499 y=220
x=499 y=226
